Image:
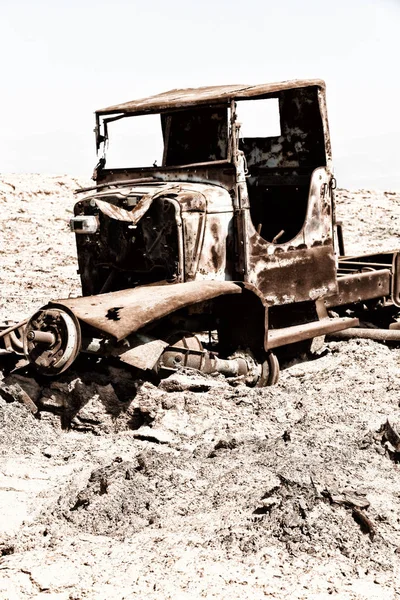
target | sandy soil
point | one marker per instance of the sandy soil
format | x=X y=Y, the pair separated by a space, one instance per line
x=196 y=489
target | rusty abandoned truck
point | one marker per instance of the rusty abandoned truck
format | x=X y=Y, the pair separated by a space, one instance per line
x=221 y=256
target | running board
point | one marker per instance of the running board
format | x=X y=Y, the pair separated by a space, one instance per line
x=298 y=333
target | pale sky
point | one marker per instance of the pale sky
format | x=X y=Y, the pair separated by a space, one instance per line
x=63 y=60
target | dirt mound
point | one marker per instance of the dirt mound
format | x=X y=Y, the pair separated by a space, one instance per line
x=118 y=500
x=113 y=488
x=293 y=475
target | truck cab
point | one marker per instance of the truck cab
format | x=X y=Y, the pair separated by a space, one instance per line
x=255 y=209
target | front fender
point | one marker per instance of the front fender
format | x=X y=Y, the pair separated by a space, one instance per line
x=122 y=313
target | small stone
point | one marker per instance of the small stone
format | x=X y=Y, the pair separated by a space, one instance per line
x=154 y=435
x=28 y=384
x=57 y=575
x=271 y=502
x=297 y=372
x=53 y=400
x=50 y=452
x=14 y=392
x=180 y=382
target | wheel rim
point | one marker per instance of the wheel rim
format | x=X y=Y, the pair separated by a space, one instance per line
x=52 y=357
x=269 y=371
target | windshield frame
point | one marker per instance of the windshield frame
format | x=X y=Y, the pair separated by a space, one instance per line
x=103 y=138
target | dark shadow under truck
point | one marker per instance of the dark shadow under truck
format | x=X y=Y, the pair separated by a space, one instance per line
x=224 y=253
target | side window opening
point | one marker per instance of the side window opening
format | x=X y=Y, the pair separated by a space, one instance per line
x=259 y=118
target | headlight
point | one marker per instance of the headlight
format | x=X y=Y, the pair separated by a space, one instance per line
x=84 y=224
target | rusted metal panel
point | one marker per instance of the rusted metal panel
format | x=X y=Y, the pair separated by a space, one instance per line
x=216 y=255
x=219 y=174
x=137 y=350
x=307 y=274
x=124 y=312
x=145 y=355
x=359 y=287
x=120 y=214
x=206 y=95
x=390 y=261
x=325 y=123
x=303 y=268
x=193 y=235
x=297 y=333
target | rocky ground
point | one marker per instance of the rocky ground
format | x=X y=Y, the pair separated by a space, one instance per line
x=197 y=489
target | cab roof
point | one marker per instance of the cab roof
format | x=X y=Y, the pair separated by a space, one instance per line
x=221 y=94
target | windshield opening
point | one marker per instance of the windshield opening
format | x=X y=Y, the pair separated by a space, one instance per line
x=179 y=138
x=135 y=142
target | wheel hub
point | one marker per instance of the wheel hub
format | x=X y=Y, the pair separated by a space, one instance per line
x=52 y=340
